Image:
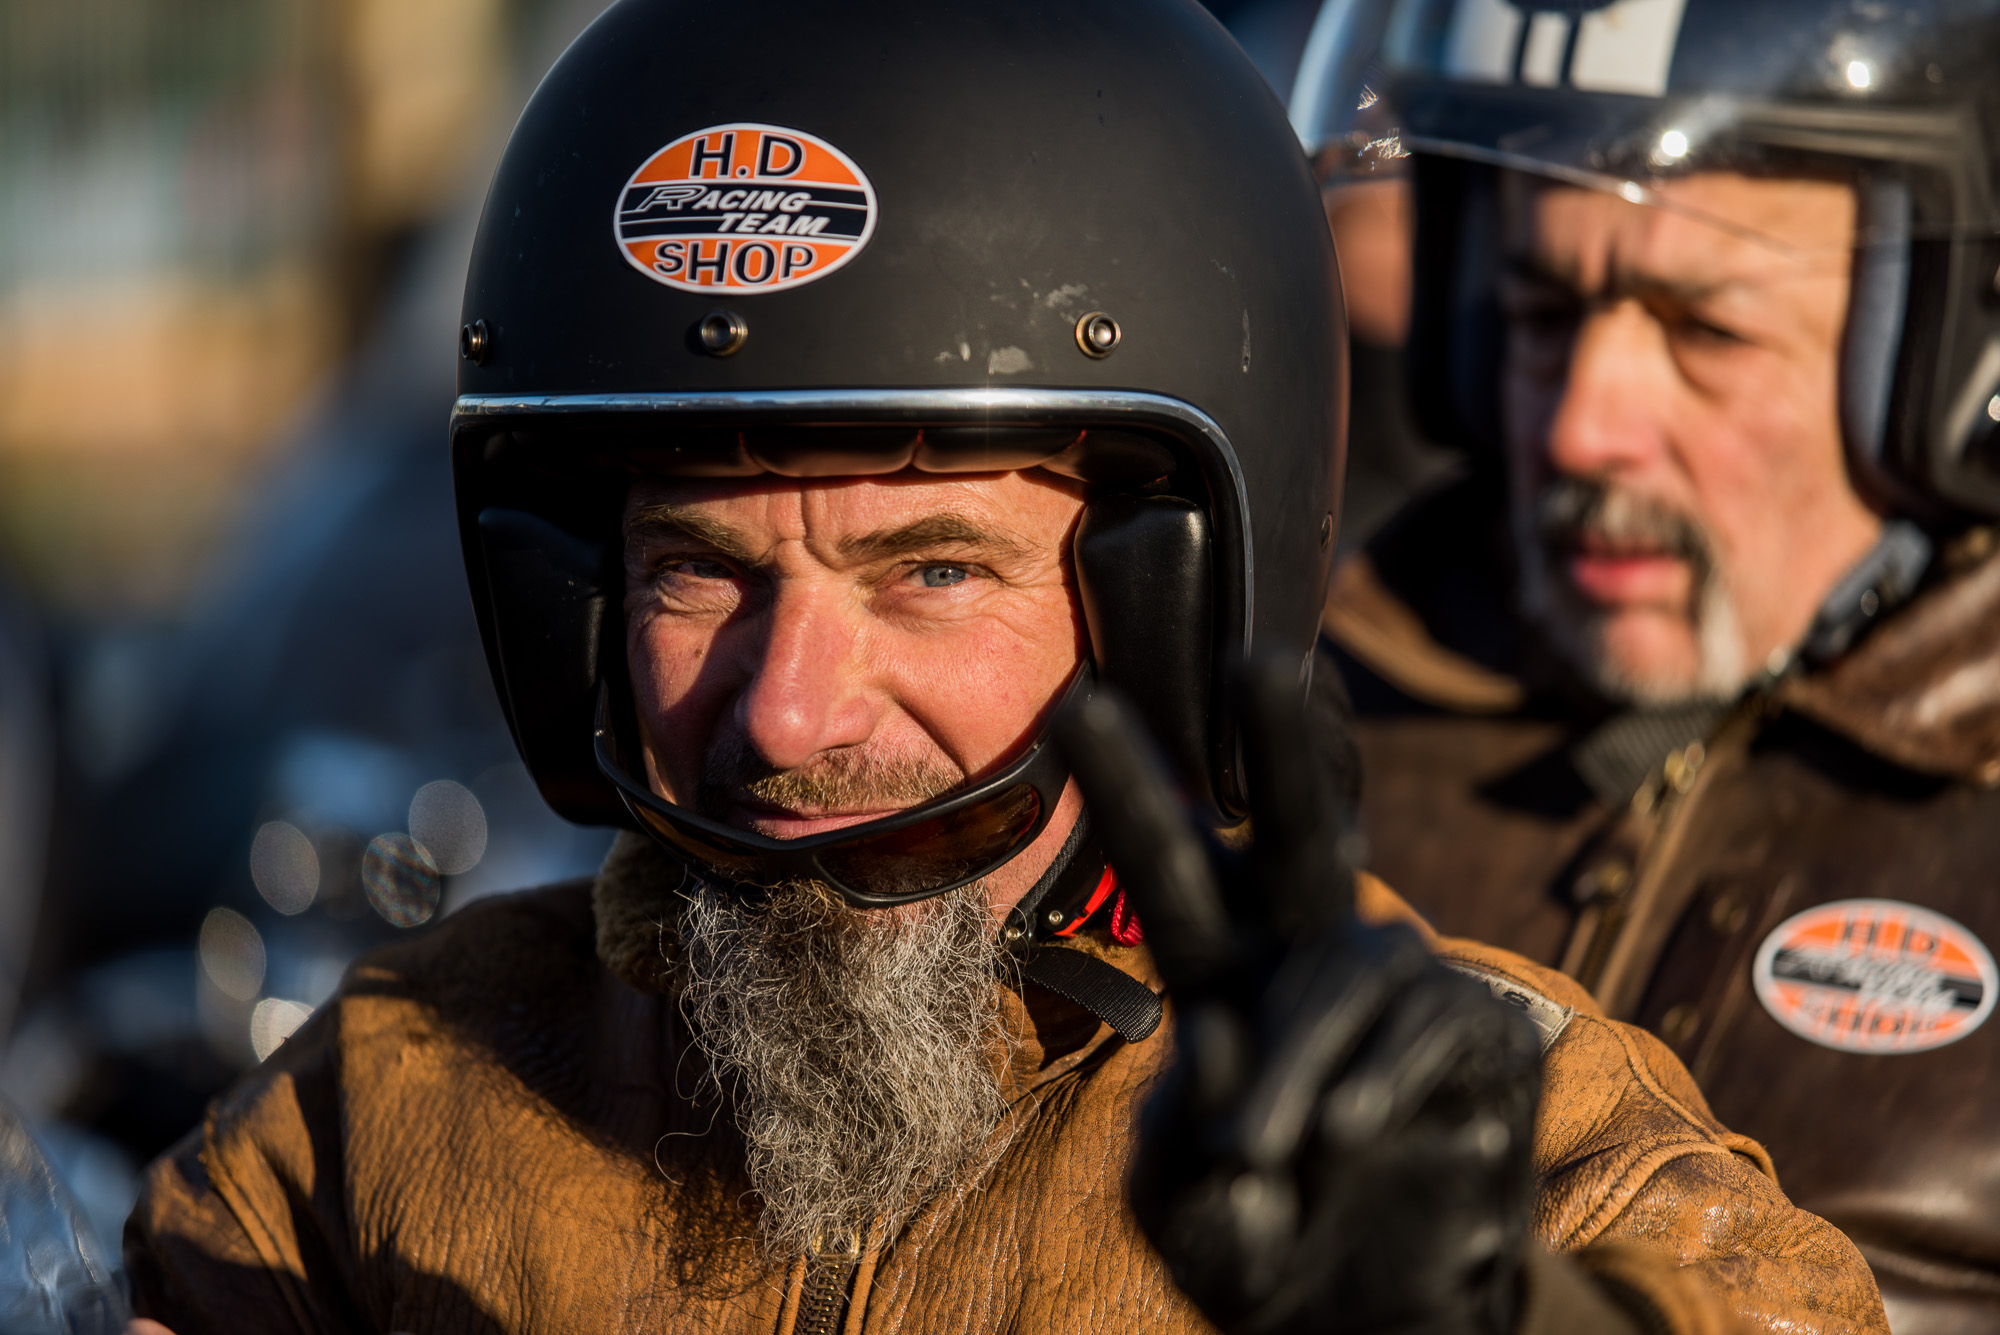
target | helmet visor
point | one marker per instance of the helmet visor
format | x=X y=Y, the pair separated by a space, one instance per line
x=927 y=850
x=1619 y=96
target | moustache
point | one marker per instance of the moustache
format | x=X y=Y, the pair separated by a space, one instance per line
x=843 y=779
x=1573 y=511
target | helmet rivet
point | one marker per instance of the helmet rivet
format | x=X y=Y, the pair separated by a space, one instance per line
x=722 y=333
x=1055 y=917
x=1326 y=530
x=1097 y=334
x=474 y=342
x=1011 y=935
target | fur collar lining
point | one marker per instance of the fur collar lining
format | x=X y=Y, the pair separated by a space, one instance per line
x=634 y=904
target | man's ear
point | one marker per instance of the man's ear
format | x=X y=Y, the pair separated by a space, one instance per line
x=1144 y=578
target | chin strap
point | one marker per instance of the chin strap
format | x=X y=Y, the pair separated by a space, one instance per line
x=1075 y=888
x=1877 y=584
x=1109 y=993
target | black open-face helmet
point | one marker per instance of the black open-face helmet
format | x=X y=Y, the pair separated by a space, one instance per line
x=810 y=240
x=1900 y=99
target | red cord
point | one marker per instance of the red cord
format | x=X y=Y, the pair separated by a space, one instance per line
x=1125 y=928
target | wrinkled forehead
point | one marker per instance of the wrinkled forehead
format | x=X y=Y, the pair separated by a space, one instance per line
x=1701 y=228
x=1030 y=508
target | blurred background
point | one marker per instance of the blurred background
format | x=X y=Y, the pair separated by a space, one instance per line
x=246 y=729
x=245 y=726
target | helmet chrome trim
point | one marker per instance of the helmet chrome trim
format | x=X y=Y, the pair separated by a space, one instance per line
x=1008 y=405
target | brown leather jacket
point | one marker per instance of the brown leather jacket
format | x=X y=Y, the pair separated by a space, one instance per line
x=1870 y=780
x=486 y=1131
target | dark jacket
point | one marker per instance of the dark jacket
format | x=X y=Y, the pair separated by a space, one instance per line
x=1869 y=780
x=489 y=1130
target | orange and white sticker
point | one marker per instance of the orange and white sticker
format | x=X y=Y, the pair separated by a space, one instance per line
x=1875 y=975
x=744 y=208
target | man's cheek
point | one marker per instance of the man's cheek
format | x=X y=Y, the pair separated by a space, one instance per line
x=669 y=650
x=989 y=634
x=1527 y=408
x=679 y=698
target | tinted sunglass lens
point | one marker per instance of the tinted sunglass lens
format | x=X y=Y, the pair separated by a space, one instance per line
x=739 y=862
x=955 y=847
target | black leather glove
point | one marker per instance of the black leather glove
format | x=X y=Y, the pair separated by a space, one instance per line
x=1343 y=1142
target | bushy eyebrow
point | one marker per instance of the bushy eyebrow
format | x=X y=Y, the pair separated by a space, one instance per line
x=1623 y=283
x=929 y=534
x=652 y=523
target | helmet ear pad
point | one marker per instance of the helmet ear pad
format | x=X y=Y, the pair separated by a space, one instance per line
x=1872 y=338
x=1146 y=583
x=1943 y=434
x=548 y=592
x=1904 y=323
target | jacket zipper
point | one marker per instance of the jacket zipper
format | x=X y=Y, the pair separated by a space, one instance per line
x=1604 y=972
x=823 y=1296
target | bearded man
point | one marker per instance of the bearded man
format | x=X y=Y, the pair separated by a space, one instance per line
x=1687 y=685
x=851 y=1032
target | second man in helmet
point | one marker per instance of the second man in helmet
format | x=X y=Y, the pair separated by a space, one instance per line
x=1691 y=684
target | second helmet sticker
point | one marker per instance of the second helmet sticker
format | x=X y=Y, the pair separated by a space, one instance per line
x=744 y=208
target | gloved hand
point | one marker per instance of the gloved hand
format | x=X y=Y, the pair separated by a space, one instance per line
x=1343 y=1142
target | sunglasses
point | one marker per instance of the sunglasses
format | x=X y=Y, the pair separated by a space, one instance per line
x=933 y=847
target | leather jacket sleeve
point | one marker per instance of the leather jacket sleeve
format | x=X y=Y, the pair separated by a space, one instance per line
x=1676 y=1218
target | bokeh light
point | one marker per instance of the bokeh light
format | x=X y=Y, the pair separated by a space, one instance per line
x=401 y=879
x=273 y=1021
x=285 y=867
x=447 y=820
x=232 y=954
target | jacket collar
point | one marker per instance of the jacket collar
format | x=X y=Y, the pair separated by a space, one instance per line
x=1923 y=690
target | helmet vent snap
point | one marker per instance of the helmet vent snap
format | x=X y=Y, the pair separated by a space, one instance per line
x=721 y=333
x=1097 y=334
x=475 y=341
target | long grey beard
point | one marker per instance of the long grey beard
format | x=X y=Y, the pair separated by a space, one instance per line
x=859 y=1049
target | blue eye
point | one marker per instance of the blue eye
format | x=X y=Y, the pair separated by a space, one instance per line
x=943 y=577
x=700 y=569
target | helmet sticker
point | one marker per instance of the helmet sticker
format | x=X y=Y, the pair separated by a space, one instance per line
x=744 y=208
x=1595 y=45
x=1875 y=976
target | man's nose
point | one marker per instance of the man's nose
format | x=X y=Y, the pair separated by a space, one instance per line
x=807 y=693
x=1606 y=422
